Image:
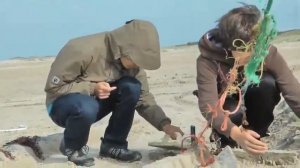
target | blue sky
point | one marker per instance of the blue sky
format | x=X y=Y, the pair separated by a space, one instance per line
x=42 y=27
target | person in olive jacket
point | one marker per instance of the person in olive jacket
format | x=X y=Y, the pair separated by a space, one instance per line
x=102 y=73
x=218 y=54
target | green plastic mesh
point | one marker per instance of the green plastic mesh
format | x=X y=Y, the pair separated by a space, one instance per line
x=267 y=33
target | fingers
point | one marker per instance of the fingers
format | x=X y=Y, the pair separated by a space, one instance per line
x=113 y=88
x=255 y=152
x=173 y=136
x=104 y=90
x=177 y=129
x=254 y=145
x=252 y=137
x=256 y=142
x=256 y=149
x=172 y=131
x=180 y=131
x=102 y=94
x=254 y=134
x=107 y=88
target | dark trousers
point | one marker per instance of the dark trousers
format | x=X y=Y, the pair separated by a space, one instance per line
x=260 y=101
x=77 y=112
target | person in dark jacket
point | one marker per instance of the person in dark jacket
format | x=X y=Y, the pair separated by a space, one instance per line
x=102 y=73
x=230 y=46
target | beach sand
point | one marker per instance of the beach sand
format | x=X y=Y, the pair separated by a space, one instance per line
x=22 y=107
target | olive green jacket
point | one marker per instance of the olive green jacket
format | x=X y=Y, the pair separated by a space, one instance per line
x=84 y=61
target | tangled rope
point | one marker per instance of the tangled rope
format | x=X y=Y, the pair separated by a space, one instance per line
x=205 y=158
x=260 y=48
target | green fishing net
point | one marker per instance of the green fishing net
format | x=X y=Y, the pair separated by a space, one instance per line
x=267 y=33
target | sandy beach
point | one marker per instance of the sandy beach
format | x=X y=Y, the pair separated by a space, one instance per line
x=23 y=113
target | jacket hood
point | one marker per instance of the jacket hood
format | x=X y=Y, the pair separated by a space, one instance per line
x=210 y=47
x=138 y=40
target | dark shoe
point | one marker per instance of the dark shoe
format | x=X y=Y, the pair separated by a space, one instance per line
x=79 y=157
x=119 y=153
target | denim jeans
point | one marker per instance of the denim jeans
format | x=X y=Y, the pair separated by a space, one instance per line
x=77 y=112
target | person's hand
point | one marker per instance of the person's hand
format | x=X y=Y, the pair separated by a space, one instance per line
x=247 y=139
x=103 y=89
x=171 y=130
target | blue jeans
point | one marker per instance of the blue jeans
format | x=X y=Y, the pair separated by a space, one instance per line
x=77 y=112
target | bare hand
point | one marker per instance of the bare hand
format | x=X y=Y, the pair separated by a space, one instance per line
x=103 y=89
x=171 y=130
x=247 y=139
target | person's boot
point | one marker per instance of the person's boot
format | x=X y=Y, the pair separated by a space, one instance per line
x=119 y=153
x=79 y=157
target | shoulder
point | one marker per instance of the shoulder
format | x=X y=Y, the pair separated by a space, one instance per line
x=206 y=62
x=273 y=53
x=273 y=50
x=88 y=40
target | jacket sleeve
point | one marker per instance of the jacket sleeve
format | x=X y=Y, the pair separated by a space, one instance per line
x=66 y=73
x=208 y=93
x=147 y=106
x=286 y=81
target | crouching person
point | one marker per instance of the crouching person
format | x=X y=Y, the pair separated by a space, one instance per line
x=103 y=73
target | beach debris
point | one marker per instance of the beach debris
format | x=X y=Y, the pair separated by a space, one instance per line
x=285 y=143
x=227 y=158
x=20 y=128
x=193 y=143
x=31 y=142
x=271 y=157
x=167 y=143
x=7 y=154
x=199 y=147
x=161 y=154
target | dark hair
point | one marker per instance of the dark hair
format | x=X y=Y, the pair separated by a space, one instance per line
x=238 y=23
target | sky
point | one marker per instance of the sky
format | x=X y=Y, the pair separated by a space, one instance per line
x=41 y=27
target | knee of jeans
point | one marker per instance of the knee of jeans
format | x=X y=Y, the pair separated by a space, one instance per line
x=87 y=112
x=268 y=82
x=267 y=87
x=131 y=90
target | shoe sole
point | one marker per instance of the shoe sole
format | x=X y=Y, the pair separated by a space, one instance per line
x=102 y=156
x=86 y=164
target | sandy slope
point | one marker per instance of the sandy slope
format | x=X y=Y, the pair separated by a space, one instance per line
x=22 y=103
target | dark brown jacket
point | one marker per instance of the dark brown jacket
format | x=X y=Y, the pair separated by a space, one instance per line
x=84 y=61
x=213 y=57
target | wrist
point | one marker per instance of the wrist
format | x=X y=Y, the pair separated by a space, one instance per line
x=235 y=133
x=164 y=124
x=165 y=128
